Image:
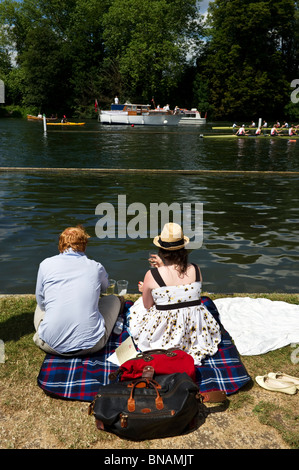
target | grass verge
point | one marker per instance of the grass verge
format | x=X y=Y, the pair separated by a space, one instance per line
x=30 y=419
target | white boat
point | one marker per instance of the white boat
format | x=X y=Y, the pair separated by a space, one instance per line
x=138 y=114
x=192 y=117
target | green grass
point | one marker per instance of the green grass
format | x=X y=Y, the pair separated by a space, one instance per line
x=31 y=419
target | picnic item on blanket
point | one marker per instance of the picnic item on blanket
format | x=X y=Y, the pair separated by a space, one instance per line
x=164 y=361
x=259 y=325
x=148 y=408
x=79 y=378
x=275 y=385
x=285 y=378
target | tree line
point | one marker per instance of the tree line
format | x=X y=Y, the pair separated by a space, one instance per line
x=236 y=62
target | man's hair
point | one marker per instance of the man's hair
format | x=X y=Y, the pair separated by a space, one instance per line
x=73 y=237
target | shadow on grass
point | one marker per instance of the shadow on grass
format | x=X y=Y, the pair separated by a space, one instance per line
x=17 y=325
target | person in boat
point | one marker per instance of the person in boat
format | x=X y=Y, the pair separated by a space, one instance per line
x=241 y=130
x=64 y=119
x=274 y=130
x=285 y=125
x=40 y=115
x=69 y=318
x=252 y=124
x=265 y=124
x=116 y=101
x=166 y=107
x=292 y=130
x=169 y=314
x=258 y=131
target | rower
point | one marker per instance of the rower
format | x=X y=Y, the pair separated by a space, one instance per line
x=274 y=130
x=292 y=130
x=241 y=131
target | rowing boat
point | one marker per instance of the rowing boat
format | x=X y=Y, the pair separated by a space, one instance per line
x=248 y=128
x=65 y=123
x=30 y=117
x=261 y=136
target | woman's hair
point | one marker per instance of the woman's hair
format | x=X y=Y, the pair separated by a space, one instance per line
x=178 y=257
x=73 y=237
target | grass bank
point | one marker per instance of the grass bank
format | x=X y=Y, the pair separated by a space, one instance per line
x=253 y=418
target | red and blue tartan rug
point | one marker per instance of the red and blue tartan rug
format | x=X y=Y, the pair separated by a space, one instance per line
x=79 y=378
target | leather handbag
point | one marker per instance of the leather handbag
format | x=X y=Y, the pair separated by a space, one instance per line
x=163 y=361
x=148 y=408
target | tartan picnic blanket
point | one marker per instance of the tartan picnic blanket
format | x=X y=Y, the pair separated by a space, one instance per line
x=79 y=378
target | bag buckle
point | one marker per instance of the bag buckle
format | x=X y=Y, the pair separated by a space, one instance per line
x=148 y=372
x=123 y=420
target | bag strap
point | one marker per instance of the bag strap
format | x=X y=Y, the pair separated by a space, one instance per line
x=215 y=396
x=148 y=382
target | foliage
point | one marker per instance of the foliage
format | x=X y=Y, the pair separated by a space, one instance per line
x=71 y=53
x=148 y=43
x=250 y=58
x=59 y=56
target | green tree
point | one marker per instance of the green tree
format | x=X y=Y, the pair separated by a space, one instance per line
x=250 y=57
x=146 y=45
x=70 y=52
x=59 y=49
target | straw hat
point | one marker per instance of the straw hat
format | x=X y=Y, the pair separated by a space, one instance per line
x=171 y=238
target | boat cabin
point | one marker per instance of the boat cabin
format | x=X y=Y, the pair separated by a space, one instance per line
x=131 y=109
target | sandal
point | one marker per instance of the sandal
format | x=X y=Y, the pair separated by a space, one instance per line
x=275 y=385
x=284 y=378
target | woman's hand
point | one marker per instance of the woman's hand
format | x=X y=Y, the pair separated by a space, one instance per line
x=140 y=286
x=155 y=261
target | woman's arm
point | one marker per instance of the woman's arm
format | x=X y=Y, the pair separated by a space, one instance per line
x=148 y=285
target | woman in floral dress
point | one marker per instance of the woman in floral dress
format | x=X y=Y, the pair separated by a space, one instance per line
x=170 y=313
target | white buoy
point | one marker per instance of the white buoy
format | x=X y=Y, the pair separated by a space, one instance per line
x=45 y=123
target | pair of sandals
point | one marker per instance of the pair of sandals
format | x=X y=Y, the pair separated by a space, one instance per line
x=279 y=382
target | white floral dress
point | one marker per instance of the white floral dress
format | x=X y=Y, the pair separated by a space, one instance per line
x=177 y=319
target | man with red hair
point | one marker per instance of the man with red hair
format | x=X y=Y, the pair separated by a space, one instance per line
x=69 y=318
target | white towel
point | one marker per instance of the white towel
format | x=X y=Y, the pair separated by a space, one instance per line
x=259 y=325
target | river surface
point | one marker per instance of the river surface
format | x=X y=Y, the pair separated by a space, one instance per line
x=250 y=220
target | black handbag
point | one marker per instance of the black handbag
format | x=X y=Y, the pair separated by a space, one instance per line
x=148 y=408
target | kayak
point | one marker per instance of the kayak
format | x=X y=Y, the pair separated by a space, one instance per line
x=65 y=123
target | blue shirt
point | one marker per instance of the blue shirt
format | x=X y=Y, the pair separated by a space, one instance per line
x=68 y=288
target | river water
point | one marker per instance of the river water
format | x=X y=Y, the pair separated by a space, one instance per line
x=250 y=220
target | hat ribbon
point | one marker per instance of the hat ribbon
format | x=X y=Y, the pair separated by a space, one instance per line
x=168 y=244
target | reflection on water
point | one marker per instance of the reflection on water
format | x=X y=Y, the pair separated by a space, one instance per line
x=250 y=223
x=248 y=245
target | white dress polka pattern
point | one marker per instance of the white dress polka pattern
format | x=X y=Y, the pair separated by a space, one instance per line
x=190 y=328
